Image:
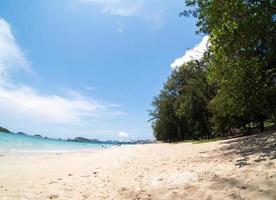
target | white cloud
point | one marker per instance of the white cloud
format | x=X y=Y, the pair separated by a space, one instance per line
x=155 y=19
x=120 y=27
x=192 y=54
x=122 y=134
x=26 y=102
x=127 y=8
x=118 y=7
x=120 y=30
x=89 y=88
x=11 y=56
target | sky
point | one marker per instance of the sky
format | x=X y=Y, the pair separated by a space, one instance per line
x=89 y=68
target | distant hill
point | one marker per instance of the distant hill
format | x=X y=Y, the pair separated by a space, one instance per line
x=38 y=135
x=21 y=133
x=82 y=139
x=4 y=130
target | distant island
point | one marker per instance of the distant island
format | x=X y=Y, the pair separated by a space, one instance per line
x=37 y=135
x=80 y=139
x=4 y=130
x=21 y=133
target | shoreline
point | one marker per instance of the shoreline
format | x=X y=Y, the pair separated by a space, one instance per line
x=241 y=168
x=57 y=152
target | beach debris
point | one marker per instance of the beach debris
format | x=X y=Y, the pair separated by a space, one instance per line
x=53 y=182
x=95 y=172
x=1 y=155
x=243 y=187
x=53 y=196
x=70 y=174
x=85 y=196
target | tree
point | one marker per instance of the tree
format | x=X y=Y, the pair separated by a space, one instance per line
x=181 y=110
x=163 y=117
x=243 y=62
x=234 y=85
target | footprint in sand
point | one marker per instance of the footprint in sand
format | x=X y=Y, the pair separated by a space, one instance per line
x=85 y=196
x=53 y=196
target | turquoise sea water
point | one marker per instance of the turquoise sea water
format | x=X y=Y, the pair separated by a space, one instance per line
x=25 y=143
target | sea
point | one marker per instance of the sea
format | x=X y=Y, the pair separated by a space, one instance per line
x=26 y=143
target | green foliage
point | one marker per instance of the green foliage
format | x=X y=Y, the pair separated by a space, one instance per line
x=234 y=86
x=181 y=110
x=243 y=63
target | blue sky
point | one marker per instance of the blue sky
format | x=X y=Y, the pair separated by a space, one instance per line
x=88 y=67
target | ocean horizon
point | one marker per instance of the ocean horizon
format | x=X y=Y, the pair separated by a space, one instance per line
x=26 y=143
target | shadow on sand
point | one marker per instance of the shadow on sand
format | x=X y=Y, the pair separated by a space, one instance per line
x=263 y=145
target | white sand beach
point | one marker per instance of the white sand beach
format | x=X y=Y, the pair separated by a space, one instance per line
x=243 y=168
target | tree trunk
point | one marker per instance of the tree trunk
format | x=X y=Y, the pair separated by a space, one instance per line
x=179 y=133
x=262 y=126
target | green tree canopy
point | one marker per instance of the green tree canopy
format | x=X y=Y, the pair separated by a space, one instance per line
x=234 y=85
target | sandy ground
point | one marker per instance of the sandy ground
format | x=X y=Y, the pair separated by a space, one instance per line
x=243 y=168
